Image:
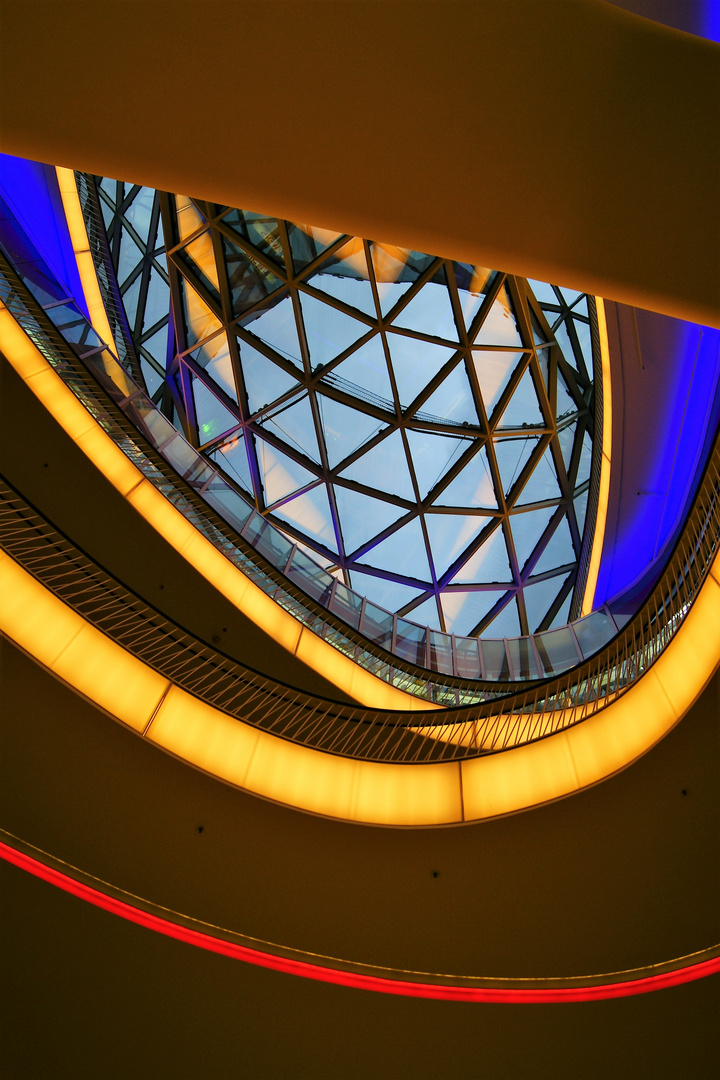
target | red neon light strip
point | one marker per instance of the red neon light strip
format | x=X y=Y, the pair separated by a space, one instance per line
x=349 y=978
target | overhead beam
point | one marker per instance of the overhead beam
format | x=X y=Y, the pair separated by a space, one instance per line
x=567 y=140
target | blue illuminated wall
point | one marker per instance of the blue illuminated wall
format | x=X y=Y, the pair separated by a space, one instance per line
x=30 y=192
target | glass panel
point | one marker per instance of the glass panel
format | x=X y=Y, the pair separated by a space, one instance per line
x=403 y=552
x=569 y=295
x=276 y=327
x=156 y=345
x=544 y=292
x=507 y=622
x=391 y=595
x=262 y=232
x=542 y=483
x=231 y=506
x=449 y=535
x=512 y=456
x=269 y=541
x=522 y=658
x=73 y=326
x=345 y=277
x=395 y=270
x=467 y=657
x=557 y=650
x=539 y=598
x=130 y=297
x=309 y=576
x=583 y=472
x=180 y=454
x=430 y=312
x=384 y=468
x=473 y=283
x=344 y=430
x=310 y=512
x=499 y=326
x=280 y=474
x=189 y=217
x=202 y=254
x=214 y=357
x=472 y=487
x=580 y=504
x=328 y=330
x=307 y=242
x=265 y=381
x=157 y=426
x=232 y=457
x=347 y=605
x=559 y=552
x=441 y=657
x=566 y=438
x=212 y=416
x=490 y=562
x=250 y=280
x=294 y=424
x=527 y=529
x=200 y=320
x=566 y=405
x=495 y=657
x=157 y=301
x=593 y=632
x=415 y=363
x=365 y=370
x=426 y=613
x=453 y=399
x=432 y=456
x=563 y=339
x=493 y=370
x=377 y=625
x=563 y=614
x=464 y=610
x=139 y=213
x=523 y=409
x=130 y=256
x=152 y=378
x=362 y=517
x=410 y=643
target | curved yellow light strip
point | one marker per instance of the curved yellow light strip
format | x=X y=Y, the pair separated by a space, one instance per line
x=604 y=491
x=83 y=256
x=440 y=793
x=228 y=579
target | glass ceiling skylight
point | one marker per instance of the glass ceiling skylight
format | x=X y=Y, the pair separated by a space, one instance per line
x=422 y=427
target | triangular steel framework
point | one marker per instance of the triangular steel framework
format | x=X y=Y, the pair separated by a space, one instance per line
x=307 y=301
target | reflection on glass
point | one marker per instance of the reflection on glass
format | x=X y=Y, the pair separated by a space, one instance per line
x=493 y=370
x=280 y=474
x=344 y=431
x=189 y=217
x=383 y=468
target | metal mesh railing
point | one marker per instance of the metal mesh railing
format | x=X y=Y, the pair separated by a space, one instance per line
x=395 y=650
x=402 y=653
x=353 y=731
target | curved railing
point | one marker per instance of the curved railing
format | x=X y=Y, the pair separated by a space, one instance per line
x=371 y=734
x=394 y=649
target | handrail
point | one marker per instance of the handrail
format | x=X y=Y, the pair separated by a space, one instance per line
x=394 y=649
x=371 y=734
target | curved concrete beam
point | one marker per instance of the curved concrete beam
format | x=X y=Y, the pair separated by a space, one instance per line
x=567 y=140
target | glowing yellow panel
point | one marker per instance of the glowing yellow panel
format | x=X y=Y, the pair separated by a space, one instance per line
x=36 y=620
x=83 y=257
x=359 y=683
x=518 y=779
x=115 y=680
x=605 y=464
x=386 y=794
